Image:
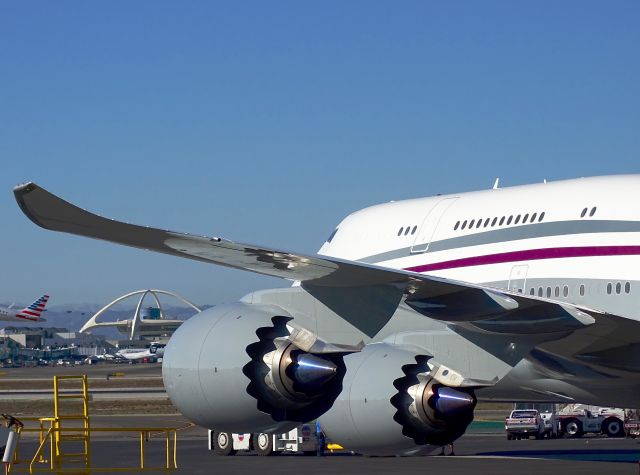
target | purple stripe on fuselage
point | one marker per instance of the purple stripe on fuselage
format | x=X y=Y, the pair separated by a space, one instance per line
x=529 y=255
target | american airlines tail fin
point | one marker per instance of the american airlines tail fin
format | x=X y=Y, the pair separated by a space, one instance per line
x=34 y=311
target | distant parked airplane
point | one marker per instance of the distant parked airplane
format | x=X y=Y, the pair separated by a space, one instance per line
x=156 y=350
x=32 y=313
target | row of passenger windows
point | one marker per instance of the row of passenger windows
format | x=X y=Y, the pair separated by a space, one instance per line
x=591 y=213
x=555 y=291
x=407 y=230
x=527 y=218
x=618 y=288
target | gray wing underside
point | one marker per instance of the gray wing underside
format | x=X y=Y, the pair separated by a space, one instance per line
x=365 y=295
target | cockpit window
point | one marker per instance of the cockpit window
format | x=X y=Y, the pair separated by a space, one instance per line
x=332 y=235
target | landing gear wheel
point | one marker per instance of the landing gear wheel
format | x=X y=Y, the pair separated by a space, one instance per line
x=223 y=443
x=573 y=429
x=263 y=444
x=509 y=436
x=613 y=427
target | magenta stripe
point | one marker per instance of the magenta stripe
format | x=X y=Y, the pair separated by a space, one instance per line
x=529 y=255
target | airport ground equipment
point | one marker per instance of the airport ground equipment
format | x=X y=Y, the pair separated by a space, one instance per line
x=548 y=413
x=67 y=435
x=632 y=423
x=301 y=439
x=524 y=423
x=575 y=420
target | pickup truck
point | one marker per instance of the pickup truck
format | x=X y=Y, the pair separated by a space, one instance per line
x=523 y=423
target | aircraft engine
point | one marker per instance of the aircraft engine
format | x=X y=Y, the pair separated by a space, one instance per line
x=390 y=405
x=231 y=368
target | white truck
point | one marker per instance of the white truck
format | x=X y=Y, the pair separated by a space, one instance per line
x=523 y=423
x=575 y=420
x=301 y=439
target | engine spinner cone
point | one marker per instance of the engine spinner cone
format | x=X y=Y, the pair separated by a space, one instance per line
x=311 y=371
x=451 y=402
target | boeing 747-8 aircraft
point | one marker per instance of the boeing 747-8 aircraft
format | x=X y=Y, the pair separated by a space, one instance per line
x=32 y=313
x=410 y=312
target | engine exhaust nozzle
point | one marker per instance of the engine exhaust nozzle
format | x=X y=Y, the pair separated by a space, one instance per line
x=311 y=371
x=451 y=402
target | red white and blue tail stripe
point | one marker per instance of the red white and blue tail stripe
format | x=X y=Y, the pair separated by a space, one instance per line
x=34 y=311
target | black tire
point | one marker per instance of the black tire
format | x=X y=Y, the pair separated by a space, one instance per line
x=509 y=436
x=573 y=428
x=263 y=444
x=613 y=427
x=539 y=436
x=223 y=443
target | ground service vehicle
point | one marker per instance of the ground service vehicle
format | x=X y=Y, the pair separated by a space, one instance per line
x=301 y=439
x=576 y=420
x=523 y=423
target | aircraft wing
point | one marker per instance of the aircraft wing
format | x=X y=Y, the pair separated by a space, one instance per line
x=363 y=294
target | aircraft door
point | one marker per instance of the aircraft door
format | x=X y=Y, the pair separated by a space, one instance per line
x=518 y=278
x=429 y=225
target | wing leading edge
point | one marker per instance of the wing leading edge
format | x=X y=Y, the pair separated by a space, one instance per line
x=474 y=307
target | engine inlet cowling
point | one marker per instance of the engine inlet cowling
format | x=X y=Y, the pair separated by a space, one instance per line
x=232 y=368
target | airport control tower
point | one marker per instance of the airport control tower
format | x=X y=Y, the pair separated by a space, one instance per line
x=146 y=321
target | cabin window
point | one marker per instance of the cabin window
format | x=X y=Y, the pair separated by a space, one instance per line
x=532 y=291
x=584 y=213
x=493 y=223
x=582 y=290
x=540 y=292
x=400 y=232
x=565 y=291
x=618 y=288
x=517 y=219
x=407 y=230
x=331 y=236
x=627 y=288
x=413 y=231
x=593 y=211
x=541 y=217
x=455 y=228
x=509 y=220
x=526 y=217
x=464 y=225
x=473 y=221
x=486 y=222
x=609 y=287
x=557 y=293
x=501 y=221
x=479 y=223
x=533 y=217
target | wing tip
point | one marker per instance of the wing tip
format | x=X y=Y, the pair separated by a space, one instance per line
x=24 y=188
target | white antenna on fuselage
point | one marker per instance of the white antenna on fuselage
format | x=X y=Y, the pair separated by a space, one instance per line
x=496 y=184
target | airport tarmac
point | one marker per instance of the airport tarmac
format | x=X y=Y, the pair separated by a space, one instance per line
x=475 y=454
x=483 y=450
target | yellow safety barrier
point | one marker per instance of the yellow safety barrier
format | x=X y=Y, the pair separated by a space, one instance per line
x=53 y=431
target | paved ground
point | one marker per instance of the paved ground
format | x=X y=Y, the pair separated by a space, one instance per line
x=476 y=453
x=484 y=450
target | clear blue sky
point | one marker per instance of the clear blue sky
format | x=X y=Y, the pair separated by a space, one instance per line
x=267 y=122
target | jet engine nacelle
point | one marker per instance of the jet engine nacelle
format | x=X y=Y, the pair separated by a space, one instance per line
x=231 y=368
x=391 y=405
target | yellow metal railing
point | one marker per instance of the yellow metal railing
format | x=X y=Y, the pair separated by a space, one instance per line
x=58 y=432
x=38 y=461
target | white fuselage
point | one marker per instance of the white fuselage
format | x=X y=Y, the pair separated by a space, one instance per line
x=10 y=315
x=155 y=351
x=535 y=239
